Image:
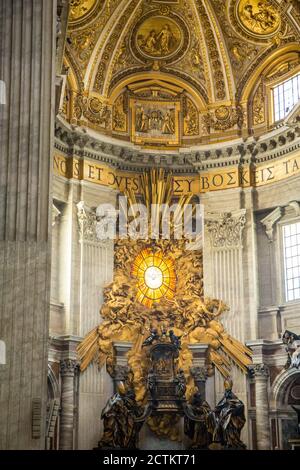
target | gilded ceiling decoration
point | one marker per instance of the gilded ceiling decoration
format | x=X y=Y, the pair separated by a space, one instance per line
x=158 y=37
x=258 y=17
x=210 y=50
x=80 y=8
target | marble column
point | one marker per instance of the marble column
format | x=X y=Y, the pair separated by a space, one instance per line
x=199 y=369
x=260 y=372
x=27 y=67
x=67 y=419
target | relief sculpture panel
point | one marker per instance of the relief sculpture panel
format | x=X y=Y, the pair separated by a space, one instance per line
x=155 y=122
x=258 y=17
x=158 y=37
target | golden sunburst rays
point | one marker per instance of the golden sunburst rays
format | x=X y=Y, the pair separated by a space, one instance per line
x=157 y=193
x=155 y=274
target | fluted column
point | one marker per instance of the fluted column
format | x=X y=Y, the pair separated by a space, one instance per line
x=67 y=419
x=260 y=372
x=27 y=66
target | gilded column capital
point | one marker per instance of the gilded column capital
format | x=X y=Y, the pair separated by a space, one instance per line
x=226 y=229
x=259 y=371
x=68 y=367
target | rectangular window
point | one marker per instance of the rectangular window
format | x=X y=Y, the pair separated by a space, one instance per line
x=291 y=246
x=2 y=92
x=285 y=96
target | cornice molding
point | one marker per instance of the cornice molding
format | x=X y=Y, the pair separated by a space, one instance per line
x=270 y=220
x=284 y=140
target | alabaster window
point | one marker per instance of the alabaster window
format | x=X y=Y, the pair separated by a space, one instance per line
x=291 y=245
x=285 y=96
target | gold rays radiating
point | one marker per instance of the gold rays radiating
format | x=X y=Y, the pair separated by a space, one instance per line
x=157 y=195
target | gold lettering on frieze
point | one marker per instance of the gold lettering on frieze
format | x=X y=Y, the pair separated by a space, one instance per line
x=184 y=185
x=217 y=180
x=61 y=166
x=214 y=180
x=277 y=171
x=105 y=176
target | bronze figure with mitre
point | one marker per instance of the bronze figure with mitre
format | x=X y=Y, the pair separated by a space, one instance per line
x=228 y=419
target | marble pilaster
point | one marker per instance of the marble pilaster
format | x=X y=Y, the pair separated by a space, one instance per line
x=91 y=270
x=27 y=67
x=228 y=246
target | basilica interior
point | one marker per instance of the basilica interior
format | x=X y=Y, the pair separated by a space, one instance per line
x=186 y=102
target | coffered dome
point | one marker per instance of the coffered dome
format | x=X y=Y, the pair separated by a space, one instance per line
x=171 y=74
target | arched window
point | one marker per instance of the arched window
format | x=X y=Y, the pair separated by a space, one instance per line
x=285 y=96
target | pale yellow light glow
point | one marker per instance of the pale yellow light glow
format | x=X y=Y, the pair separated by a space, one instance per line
x=153 y=277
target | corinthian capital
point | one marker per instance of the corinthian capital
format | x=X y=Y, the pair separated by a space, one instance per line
x=68 y=367
x=259 y=370
x=87 y=222
x=226 y=229
x=91 y=226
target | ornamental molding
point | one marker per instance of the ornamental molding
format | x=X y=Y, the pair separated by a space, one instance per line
x=56 y=213
x=296 y=206
x=270 y=221
x=78 y=142
x=226 y=229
